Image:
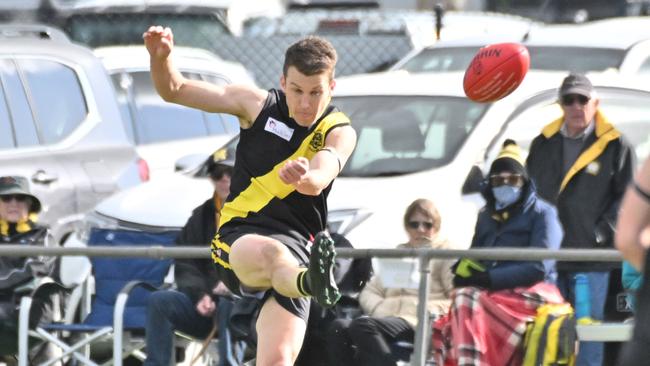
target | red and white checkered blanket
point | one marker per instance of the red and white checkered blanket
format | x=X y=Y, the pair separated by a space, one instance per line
x=486 y=328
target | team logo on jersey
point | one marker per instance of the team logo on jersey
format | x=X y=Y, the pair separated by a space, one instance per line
x=278 y=128
x=316 y=142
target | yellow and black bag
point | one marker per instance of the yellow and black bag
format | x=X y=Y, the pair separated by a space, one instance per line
x=550 y=339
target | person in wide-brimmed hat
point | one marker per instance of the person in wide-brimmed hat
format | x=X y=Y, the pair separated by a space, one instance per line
x=18 y=209
x=18 y=189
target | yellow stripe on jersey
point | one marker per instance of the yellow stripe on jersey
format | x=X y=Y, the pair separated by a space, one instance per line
x=218 y=245
x=268 y=186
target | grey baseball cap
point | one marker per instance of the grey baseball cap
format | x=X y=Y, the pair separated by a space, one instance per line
x=15 y=185
x=576 y=84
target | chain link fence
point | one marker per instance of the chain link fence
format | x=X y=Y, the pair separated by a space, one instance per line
x=361 y=47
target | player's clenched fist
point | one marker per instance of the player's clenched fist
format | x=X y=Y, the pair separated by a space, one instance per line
x=159 y=41
x=294 y=170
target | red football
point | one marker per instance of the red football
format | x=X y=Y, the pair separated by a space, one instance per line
x=496 y=71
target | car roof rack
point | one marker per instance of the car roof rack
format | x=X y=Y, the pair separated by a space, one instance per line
x=36 y=31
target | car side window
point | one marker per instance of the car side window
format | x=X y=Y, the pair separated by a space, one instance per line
x=58 y=100
x=159 y=121
x=220 y=123
x=122 y=82
x=644 y=69
x=22 y=118
x=6 y=130
x=525 y=126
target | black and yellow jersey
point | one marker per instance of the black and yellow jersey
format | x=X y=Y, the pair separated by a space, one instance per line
x=257 y=195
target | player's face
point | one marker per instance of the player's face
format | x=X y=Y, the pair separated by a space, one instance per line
x=307 y=96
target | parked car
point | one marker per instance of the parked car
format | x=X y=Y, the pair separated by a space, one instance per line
x=418 y=26
x=576 y=11
x=99 y=23
x=60 y=125
x=618 y=45
x=166 y=132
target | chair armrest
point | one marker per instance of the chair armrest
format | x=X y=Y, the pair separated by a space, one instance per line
x=126 y=290
x=118 y=314
x=122 y=297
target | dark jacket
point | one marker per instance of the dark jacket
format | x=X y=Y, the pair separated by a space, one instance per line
x=529 y=223
x=196 y=277
x=588 y=197
x=17 y=275
x=15 y=271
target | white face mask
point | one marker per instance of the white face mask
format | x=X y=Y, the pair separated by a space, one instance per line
x=505 y=195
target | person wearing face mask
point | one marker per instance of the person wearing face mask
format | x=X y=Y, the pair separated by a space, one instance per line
x=494 y=299
x=391 y=312
x=582 y=164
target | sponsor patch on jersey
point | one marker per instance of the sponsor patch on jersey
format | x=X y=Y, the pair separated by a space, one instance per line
x=278 y=128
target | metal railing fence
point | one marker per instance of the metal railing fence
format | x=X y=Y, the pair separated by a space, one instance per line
x=423 y=255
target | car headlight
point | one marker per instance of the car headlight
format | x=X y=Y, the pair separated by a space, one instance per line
x=343 y=221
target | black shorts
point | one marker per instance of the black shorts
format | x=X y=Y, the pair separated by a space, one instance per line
x=220 y=255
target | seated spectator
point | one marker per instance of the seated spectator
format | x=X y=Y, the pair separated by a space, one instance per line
x=494 y=299
x=19 y=275
x=200 y=299
x=391 y=312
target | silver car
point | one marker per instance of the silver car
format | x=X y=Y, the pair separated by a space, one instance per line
x=60 y=125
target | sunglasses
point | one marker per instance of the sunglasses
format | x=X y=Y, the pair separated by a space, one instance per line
x=572 y=98
x=417 y=224
x=502 y=180
x=17 y=197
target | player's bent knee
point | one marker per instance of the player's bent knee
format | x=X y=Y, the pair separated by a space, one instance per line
x=251 y=259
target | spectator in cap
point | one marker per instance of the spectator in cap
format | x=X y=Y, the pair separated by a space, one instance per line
x=582 y=164
x=18 y=209
x=494 y=299
x=201 y=302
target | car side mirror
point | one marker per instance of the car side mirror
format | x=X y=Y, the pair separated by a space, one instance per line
x=473 y=181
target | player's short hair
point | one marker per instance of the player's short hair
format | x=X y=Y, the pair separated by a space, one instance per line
x=311 y=55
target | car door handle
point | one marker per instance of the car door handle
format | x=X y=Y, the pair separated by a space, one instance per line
x=43 y=177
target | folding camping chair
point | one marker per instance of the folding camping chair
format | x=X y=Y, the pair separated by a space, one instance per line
x=118 y=309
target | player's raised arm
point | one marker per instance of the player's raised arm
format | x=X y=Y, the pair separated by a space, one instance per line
x=243 y=101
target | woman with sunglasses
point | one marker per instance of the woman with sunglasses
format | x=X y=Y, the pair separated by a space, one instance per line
x=494 y=299
x=18 y=209
x=391 y=312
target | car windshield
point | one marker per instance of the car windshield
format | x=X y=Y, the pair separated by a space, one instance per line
x=102 y=29
x=406 y=134
x=549 y=58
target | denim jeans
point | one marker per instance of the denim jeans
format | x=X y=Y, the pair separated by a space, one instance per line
x=589 y=353
x=168 y=311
